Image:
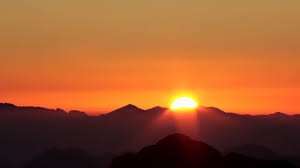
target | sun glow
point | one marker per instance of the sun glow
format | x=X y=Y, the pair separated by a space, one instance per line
x=184 y=103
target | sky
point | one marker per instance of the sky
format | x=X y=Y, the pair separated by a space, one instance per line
x=98 y=55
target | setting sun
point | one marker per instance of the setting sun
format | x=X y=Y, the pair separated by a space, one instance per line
x=184 y=103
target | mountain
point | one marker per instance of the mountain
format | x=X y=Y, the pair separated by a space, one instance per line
x=180 y=151
x=7 y=107
x=28 y=131
x=157 y=109
x=254 y=151
x=174 y=151
x=65 y=158
x=126 y=110
x=234 y=160
x=11 y=110
x=123 y=112
x=77 y=114
x=133 y=111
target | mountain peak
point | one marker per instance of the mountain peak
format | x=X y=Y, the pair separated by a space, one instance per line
x=184 y=141
x=176 y=150
x=279 y=114
x=157 y=108
x=175 y=137
x=130 y=108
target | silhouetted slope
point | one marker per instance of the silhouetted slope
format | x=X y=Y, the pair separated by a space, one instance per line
x=234 y=160
x=210 y=110
x=126 y=110
x=6 y=165
x=10 y=110
x=77 y=114
x=67 y=158
x=157 y=109
x=7 y=107
x=179 y=151
x=255 y=151
x=132 y=111
x=174 y=151
x=132 y=114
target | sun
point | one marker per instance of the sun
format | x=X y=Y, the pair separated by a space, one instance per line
x=184 y=103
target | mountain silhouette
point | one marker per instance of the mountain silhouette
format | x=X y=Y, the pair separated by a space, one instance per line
x=254 y=151
x=7 y=107
x=126 y=109
x=157 y=109
x=234 y=160
x=180 y=151
x=78 y=114
x=174 y=151
x=64 y=158
x=28 y=131
x=10 y=110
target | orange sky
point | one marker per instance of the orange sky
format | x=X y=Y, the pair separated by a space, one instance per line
x=99 y=55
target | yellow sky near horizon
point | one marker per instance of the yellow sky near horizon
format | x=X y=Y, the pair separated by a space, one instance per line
x=241 y=56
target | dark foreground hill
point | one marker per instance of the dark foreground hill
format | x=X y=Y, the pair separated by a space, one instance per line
x=174 y=151
x=179 y=151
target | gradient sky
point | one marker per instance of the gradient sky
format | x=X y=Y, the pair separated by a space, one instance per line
x=97 y=55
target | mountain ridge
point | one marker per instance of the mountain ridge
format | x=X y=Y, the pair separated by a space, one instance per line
x=5 y=107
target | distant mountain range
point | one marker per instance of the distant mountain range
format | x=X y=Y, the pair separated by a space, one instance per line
x=28 y=131
x=9 y=109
